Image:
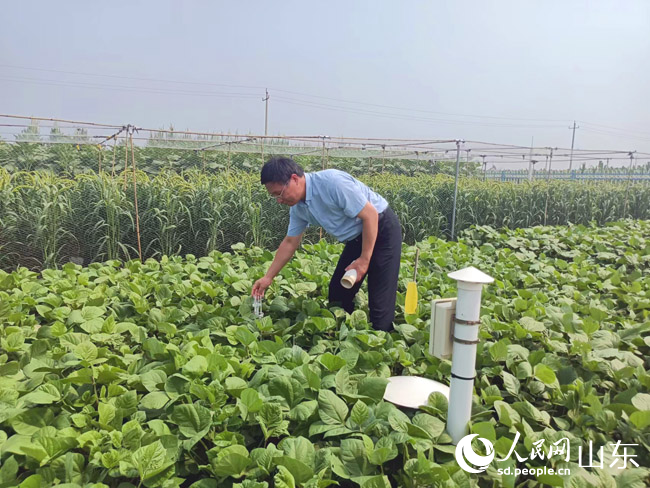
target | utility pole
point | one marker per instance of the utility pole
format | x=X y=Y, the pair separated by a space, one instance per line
x=266 y=113
x=484 y=167
x=533 y=162
x=530 y=160
x=453 y=212
x=573 y=138
x=629 y=177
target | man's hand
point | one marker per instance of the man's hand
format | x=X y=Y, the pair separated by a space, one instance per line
x=260 y=286
x=361 y=265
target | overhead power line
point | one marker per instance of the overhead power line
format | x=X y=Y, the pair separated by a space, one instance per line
x=615 y=134
x=253 y=87
x=360 y=111
x=135 y=78
x=642 y=133
x=390 y=148
x=78 y=84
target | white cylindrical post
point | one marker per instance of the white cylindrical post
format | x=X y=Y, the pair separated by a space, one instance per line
x=468 y=308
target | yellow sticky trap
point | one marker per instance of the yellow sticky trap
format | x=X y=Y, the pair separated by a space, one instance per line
x=411 y=303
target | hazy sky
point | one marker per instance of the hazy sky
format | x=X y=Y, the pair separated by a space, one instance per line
x=497 y=71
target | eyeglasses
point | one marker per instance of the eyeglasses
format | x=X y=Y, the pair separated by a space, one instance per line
x=279 y=197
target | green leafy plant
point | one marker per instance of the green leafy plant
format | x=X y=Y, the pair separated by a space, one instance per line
x=157 y=374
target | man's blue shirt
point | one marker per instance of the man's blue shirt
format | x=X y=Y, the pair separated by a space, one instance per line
x=333 y=200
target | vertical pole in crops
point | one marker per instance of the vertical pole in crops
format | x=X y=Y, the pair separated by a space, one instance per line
x=262 y=150
x=573 y=138
x=548 y=188
x=126 y=153
x=114 y=151
x=468 y=314
x=266 y=113
x=484 y=167
x=550 y=161
x=546 y=162
x=320 y=229
x=627 y=187
x=530 y=160
x=453 y=211
x=383 y=157
x=135 y=199
x=228 y=164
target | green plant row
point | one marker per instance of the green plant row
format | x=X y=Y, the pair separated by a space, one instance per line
x=157 y=374
x=46 y=220
x=72 y=159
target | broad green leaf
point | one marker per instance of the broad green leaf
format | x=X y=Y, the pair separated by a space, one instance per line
x=283 y=478
x=551 y=480
x=545 y=374
x=106 y=413
x=298 y=448
x=300 y=471
x=331 y=409
x=192 y=420
x=359 y=413
x=641 y=401
x=641 y=419
x=150 y=460
x=378 y=481
x=510 y=383
x=153 y=380
x=331 y=362
x=304 y=411
x=485 y=430
x=8 y=472
x=43 y=395
x=373 y=387
x=154 y=400
x=196 y=366
x=33 y=481
x=433 y=426
x=499 y=351
x=353 y=457
x=231 y=461
x=287 y=388
x=86 y=351
x=243 y=484
x=249 y=402
x=384 y=451
x=532 y=325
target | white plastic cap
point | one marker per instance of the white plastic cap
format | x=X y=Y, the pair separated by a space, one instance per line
x=349 y=279
x=471 y=275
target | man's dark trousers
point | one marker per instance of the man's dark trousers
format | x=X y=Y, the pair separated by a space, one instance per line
x=383 y=273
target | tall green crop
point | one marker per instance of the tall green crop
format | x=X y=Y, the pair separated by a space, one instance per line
x=46 y=220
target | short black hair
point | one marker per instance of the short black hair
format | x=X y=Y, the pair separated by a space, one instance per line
x=279 y=170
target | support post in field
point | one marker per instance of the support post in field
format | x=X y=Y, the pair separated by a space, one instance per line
x=530 y=161
x=484 y=167
x=465 y=336
x=453 y=212
x=573 y=139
